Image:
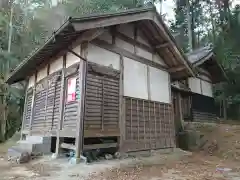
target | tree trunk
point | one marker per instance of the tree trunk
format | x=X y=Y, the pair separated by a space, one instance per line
x=190 y=37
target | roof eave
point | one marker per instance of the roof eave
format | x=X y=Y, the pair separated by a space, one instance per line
x=10 y=79
x=74 y=22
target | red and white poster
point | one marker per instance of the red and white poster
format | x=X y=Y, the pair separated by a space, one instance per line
x=71 y=90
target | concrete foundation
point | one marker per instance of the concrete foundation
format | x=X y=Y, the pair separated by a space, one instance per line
x=35 y=144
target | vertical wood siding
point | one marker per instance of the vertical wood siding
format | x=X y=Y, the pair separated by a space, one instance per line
x=149 y=125
x=102 y=98
x=27 y=109
x=53 y=101
x=71 y=109
x=47 y=103
x=38 y=121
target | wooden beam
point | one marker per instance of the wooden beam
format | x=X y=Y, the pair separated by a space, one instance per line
x=180 y=110
x=204 y=79
x=113 y=31
x=24 y=109
x=68 y=146
x=134 y=42
x=82 y=75
x=201 y=86
x=33 y=102
x=204 y=73
x=91 y=34
x=91 y=133
x=135 y=35
x=90 y=146
x=99 y=146
x=148 y=83
x=112 y=20
x=121 y=105
x=126 y=53
x=177 y=68
x=62 y=104
x=177 y=50
x=164 y=45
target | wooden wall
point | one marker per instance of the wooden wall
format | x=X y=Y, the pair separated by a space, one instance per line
x=149 y=125
x=145 y=119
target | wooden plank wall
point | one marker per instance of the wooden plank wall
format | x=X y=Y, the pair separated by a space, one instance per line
x=53 y=100
x=27 y=111
x=102 y=99
x=149 y=125
x=186 y=106
x=38 y=121
x=203 y=116
x=47 y=103
x=70 y=109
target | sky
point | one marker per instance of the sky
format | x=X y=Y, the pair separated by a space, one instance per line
x=168 y=6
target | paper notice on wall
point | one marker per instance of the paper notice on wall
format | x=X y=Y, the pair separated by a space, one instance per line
x=71 y=90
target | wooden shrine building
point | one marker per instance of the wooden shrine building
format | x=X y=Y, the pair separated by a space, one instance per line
x=196 y=93
x=104 y=76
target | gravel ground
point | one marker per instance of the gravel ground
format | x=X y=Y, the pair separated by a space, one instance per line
x=178 y=165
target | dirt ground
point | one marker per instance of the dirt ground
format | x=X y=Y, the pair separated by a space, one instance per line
x=224 y=164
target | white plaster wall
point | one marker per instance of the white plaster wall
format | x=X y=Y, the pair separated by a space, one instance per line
x=42 y=73
x=56 y=65
x=195 y=85
x=103 y=57
x=31 y=81
x=159 y=85
x=124 y=45
x=106 y=36
x=71 y=58
x=158 y=59
x=135 y=79
x=127 y=29
x=207 y=89
x=143 y=53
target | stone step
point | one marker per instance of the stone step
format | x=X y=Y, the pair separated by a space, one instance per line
x=35 y=144
x=38 y=139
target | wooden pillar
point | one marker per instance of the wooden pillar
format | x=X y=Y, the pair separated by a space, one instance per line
x=81 y=103
x=32 y=105
x=148 y=83
x=180 y=110
x=24 y=111
x=46 y=98
x=62 y=104
x=121 y=106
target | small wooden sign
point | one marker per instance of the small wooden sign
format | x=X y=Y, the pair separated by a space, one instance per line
x=71 y=91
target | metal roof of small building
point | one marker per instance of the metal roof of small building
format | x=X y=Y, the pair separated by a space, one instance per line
x=205 y=57
x=199 y=54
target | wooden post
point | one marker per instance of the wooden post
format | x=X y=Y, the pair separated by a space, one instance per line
x=148 y=83
x=83 y=71
x=46 y=98
x=102 y=108
x=121 y=106
x=190 y=35
x=62 y=104
x=180 y=111
x=24 y=111
x=32 y=105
